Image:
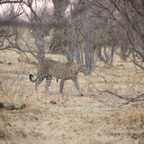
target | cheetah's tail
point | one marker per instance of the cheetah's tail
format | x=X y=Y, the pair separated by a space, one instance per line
x=31 y=77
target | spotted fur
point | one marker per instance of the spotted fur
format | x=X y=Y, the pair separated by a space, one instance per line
x=64 y=71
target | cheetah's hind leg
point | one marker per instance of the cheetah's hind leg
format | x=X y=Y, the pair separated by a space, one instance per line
x=48 y=82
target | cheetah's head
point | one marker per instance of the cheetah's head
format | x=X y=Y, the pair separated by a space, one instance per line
x=81 y=67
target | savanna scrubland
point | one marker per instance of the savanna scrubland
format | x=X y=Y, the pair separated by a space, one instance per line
x=105 y=35
x=98 y=117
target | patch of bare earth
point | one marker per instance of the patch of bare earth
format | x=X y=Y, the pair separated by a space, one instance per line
x=95 y=118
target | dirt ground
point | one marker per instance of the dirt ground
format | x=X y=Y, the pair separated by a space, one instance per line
x=98 y=117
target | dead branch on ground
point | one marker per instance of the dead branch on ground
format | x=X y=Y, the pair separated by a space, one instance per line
x=129 y=100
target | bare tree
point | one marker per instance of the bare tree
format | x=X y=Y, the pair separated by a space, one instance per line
x=92 y=30
x=35 y=14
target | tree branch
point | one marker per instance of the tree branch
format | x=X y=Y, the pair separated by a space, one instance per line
x=10 y=1
x=129 y=100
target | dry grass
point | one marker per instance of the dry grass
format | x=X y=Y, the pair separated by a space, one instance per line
x=96 y=118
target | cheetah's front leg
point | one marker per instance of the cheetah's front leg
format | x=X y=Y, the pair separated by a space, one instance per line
x=76 y=84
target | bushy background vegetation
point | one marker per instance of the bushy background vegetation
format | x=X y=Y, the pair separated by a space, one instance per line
x=107 y=36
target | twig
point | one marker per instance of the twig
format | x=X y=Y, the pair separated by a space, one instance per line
x=136 y=99
x=6 y=91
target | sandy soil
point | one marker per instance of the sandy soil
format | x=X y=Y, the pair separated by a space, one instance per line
x=95 y=118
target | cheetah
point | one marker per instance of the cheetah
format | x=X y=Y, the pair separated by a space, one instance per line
x=64 y=71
